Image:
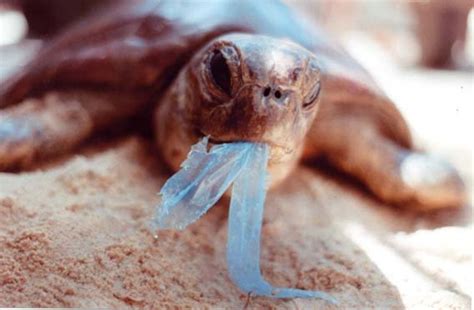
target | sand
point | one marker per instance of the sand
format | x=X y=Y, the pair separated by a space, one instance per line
x=74 y=233
x=77 y=235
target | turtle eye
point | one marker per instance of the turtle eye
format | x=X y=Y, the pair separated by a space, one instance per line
x=220 y=72
x=312 y=96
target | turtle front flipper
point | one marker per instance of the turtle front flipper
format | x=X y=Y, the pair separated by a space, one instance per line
x=59 y=121
x=116 y=63
x=393 y=173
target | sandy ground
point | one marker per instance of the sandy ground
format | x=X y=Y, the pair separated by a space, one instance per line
x=74 y=232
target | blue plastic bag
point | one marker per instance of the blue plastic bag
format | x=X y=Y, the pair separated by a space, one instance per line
x=203 y=179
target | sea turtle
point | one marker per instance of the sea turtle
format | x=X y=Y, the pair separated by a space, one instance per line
x=229 y=70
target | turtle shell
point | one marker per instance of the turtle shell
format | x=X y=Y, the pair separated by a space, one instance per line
x=142 y=45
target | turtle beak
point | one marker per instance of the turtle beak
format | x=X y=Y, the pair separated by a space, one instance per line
x=256 y=114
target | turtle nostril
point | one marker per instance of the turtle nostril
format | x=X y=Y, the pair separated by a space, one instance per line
x=278 y=94
x=266 y=91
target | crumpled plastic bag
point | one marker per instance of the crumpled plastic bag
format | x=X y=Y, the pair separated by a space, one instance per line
x=203 y=178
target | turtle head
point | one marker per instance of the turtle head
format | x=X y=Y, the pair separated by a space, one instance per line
x=255 y=88
x=244 y=87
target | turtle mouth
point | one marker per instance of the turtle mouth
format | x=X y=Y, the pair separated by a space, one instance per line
x=216 y=141
x=279 y=148
x=212 y=140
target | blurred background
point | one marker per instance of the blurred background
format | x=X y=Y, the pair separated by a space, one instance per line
x=432 y=33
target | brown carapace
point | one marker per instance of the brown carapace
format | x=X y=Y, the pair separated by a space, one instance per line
x=230 y=70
